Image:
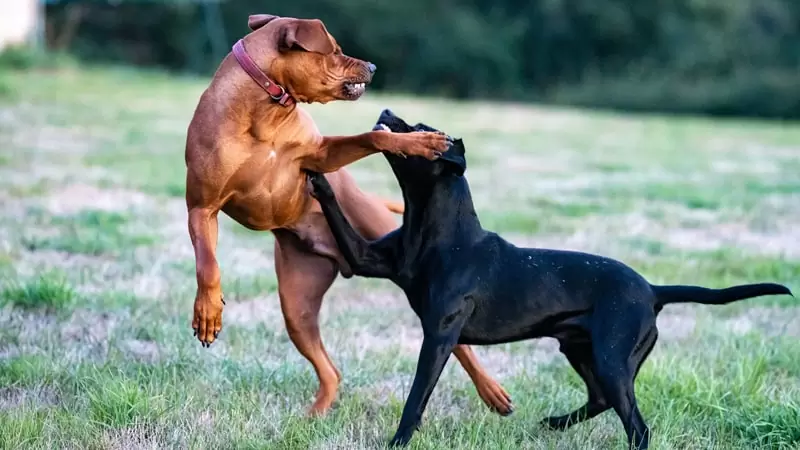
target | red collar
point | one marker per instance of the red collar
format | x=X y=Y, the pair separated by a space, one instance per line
x=275 y=91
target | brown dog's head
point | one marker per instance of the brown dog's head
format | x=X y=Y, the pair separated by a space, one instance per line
x=306 y=60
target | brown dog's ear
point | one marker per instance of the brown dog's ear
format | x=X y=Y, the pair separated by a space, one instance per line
x=308 y=34
x=257 y=21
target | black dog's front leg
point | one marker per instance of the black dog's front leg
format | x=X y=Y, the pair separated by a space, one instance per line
x=440 y=337
x=366 y=259
x=432 y=358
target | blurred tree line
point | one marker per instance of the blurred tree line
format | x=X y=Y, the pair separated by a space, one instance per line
x=720 y=57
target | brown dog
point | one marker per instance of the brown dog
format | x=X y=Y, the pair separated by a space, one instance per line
x=246 y=148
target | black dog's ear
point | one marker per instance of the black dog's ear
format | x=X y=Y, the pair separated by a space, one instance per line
x=455 y=157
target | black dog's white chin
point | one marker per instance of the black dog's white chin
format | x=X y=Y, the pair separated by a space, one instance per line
x=393 y=128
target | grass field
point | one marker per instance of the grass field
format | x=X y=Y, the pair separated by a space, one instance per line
x=97 y=278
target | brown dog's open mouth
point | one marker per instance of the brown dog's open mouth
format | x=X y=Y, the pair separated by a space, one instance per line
x=353 y=91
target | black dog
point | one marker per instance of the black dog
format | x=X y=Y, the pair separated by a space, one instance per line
x=469 y=286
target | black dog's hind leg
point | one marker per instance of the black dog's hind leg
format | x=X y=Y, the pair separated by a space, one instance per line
x=618 y=351
x=439 y=339
x=580 y=357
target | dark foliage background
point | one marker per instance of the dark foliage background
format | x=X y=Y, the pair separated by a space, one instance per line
x=721 y=57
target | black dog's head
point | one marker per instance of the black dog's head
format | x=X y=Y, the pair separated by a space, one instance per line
x=415 y=169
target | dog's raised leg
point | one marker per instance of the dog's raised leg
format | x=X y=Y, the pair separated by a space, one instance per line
x=441 y=330
x=336 y=152
x=580 y=358
x=203 y=231
x=303 y=279
x=618 y=352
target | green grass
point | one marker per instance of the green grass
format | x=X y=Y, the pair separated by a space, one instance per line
x=252 y=286
x=47 y=292
x=97 y=284
x=90 y=233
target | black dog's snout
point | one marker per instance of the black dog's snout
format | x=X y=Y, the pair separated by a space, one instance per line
x=372 y=67
x=386 y=115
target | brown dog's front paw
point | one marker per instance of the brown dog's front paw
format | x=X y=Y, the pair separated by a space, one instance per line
x=427 y=144
x=207 y=320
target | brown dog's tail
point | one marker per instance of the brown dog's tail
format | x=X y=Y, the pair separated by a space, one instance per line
x=706 y=296
x=393 y=206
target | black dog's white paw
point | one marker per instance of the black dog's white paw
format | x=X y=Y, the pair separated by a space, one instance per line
x=319 y=186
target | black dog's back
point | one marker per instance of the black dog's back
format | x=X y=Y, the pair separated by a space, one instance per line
x=523 y=293
x=532 y=292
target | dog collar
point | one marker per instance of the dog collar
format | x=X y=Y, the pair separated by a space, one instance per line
x=275 y=91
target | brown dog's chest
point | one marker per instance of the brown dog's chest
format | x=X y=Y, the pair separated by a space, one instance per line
x=267 y=192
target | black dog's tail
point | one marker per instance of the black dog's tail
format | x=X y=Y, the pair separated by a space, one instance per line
x=696 y=294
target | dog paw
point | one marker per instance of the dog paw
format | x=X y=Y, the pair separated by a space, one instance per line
x=495 y=397
x=207 y=319
x=428 y=144
x=319 y=186
x=399 y=440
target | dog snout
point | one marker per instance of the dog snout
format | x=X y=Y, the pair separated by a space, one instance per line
x=371 y=67
x=386 y=116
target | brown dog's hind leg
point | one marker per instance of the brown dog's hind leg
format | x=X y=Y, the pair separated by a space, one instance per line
x=303 y=278
x=203 y=231
x=490 y=391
